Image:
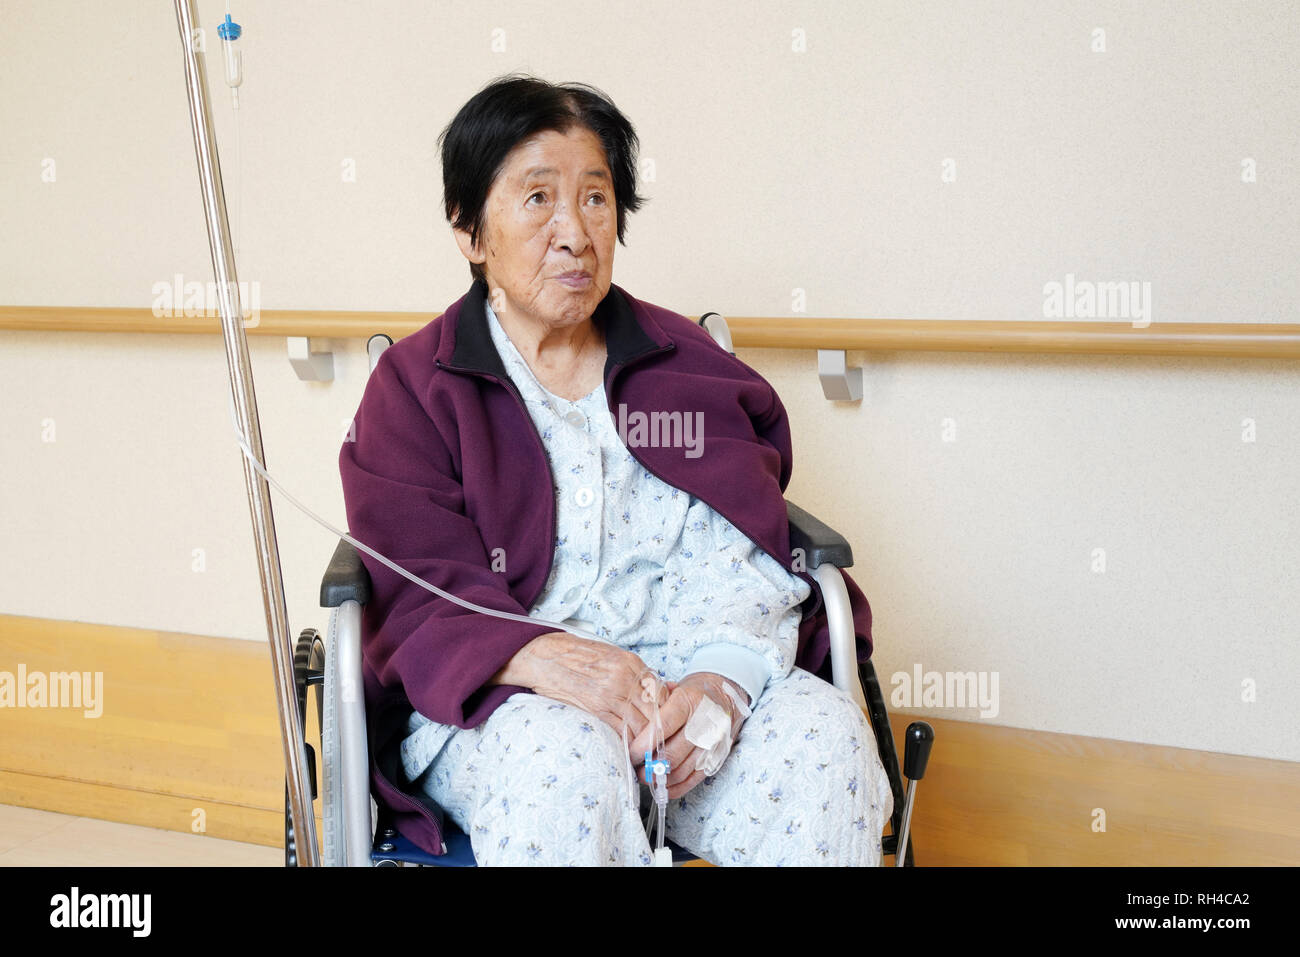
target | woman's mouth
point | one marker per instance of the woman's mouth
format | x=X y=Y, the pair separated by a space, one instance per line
x=575 y=280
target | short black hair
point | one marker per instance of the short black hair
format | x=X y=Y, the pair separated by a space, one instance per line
x=508 y=111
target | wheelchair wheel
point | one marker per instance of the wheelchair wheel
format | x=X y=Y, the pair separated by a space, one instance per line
x=308 y=657
x=334 y=851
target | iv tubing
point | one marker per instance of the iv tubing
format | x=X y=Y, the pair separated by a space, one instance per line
x=252 y=459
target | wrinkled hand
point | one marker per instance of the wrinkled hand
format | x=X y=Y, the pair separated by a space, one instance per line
x=611 y=683
x=685 y=698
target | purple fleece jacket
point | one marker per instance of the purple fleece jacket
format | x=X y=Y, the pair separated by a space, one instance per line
x=444 y=468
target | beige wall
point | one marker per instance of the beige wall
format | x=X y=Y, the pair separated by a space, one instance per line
x=774 y=171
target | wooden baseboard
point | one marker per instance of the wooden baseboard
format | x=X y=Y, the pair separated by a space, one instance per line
x=189 y=736
x=995 y=796
x=172 y=812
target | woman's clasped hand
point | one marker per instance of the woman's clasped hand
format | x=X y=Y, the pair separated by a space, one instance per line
x=699 y=717
x=597 y=677
x=699 y=723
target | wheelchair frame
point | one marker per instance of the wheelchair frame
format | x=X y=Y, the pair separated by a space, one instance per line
x=358 y=832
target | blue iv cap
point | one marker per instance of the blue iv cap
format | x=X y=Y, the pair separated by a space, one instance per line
x=649 y=766
x=230 y=30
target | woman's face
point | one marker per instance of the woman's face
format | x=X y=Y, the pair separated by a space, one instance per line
x=550 y=212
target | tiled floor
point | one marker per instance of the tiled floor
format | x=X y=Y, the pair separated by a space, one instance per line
x=31 y=837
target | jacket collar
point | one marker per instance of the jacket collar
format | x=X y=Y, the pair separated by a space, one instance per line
x=626 y=338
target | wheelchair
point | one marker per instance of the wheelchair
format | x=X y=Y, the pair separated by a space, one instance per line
x=358 y=831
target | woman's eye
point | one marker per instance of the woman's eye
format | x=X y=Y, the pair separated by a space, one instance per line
x=596 y=196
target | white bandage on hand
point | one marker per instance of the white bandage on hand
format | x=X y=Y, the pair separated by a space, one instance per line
x=710 y=730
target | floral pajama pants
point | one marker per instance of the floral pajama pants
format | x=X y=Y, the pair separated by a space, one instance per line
x=545 y=783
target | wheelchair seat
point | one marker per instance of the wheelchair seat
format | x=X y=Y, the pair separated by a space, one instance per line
x=391 y=849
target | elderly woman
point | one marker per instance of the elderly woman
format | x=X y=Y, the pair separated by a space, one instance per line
x=509 y=453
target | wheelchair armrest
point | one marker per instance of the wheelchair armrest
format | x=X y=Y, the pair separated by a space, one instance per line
x=820 y=543
x=346 y=578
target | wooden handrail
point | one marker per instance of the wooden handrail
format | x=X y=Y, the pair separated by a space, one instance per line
x=1257 y=340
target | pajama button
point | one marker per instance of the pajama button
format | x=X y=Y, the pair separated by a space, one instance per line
x=584 y=497
x=572 y=594
x=576 y=419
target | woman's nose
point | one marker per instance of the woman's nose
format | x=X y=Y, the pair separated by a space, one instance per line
x=568 y=229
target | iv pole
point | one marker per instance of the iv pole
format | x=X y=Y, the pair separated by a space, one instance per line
x=298 y=785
